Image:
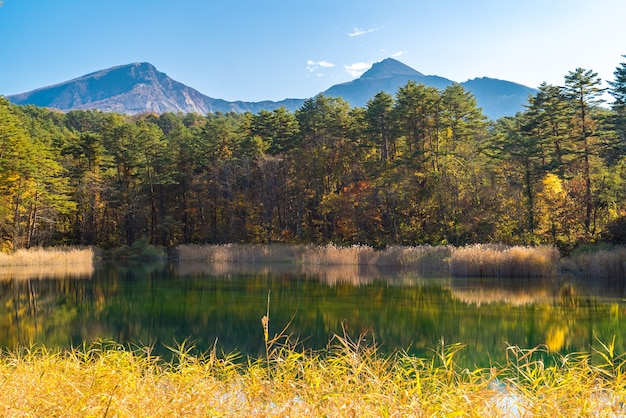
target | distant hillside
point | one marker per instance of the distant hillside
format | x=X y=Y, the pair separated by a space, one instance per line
x=140 y=87
x=498 y=97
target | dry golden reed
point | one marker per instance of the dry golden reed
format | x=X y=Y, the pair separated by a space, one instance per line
x=59 y=262
x=48 y=256
x=606 y=263
x=486 y=260
x=350 y=378
x=421 y=258
x=232 y=253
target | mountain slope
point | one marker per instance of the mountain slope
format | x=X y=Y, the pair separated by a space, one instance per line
x=499 y=97
x=140 y=87
x=131 y=89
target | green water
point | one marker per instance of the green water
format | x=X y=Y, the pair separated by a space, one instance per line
x=164 y=305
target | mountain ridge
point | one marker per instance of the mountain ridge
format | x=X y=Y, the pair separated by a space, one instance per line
x=139 y=88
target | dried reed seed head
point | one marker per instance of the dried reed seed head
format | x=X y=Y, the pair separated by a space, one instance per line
x=265 y=321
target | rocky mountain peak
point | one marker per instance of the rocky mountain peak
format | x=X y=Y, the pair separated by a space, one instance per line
x=390 y=68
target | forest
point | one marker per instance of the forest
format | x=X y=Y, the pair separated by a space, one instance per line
x=423 y=166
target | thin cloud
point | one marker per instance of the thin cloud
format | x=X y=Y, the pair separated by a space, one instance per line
x=394 y=54
x=356 y=69
x=359 y=32
x=313 y=66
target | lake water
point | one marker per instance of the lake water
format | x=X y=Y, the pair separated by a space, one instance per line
x=164 y=304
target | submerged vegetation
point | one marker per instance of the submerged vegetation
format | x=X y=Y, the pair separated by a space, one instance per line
x=349 y=378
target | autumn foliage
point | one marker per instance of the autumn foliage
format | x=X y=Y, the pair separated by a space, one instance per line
x=422 y=167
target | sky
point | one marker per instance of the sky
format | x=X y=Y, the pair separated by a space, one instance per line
x=255 y=50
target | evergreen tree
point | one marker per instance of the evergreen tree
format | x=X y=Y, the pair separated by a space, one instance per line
x=378 y=117
x=618 y=91
x=582 y=88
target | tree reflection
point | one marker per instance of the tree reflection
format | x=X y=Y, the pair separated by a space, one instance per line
x=163 y=304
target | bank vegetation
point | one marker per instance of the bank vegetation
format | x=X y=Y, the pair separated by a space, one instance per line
x=349 y=378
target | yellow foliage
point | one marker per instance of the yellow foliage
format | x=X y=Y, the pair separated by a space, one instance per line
x=552 y=185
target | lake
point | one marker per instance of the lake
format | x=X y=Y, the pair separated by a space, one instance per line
x=165 y=304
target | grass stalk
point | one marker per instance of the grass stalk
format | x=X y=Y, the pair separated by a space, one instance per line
x=265 y=321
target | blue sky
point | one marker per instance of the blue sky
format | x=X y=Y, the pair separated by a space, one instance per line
x=257 y=50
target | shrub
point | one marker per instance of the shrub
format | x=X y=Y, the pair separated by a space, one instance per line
x=139 y=250
x=615 y=231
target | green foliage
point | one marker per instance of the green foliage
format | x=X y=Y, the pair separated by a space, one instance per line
x=615 y=231
x=139 y=250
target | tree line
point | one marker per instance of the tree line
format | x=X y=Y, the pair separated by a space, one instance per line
x=421 y=166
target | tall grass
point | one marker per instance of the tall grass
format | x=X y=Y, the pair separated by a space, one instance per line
x=350 y=378
x=234 y=253
x=476 y=260
x=421 y=258
x=482 y=260
x=48 y=256
x=40 y=263
x=604 y=263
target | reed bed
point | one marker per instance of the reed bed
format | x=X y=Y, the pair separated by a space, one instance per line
x=482 y=260
x=349 y=378
x=420 y=258
x=71 y=256
x=233 y=253
x=604 y=263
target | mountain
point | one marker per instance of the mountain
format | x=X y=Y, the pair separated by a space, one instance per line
x=388 y=75
x=140 y=87
x=132 y=89
x=496 y=97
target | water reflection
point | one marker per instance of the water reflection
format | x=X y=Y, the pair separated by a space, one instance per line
x=162 y=304
x=54 y=271
x=513 y=292
x=331 y=275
